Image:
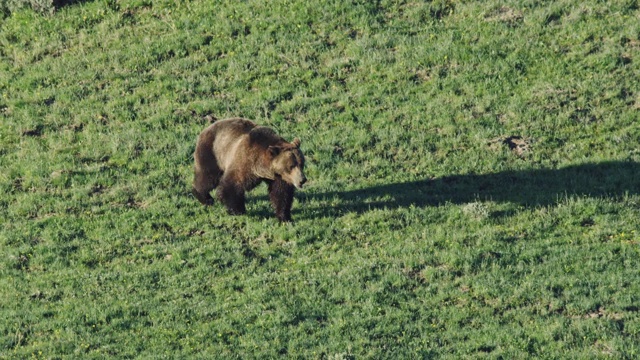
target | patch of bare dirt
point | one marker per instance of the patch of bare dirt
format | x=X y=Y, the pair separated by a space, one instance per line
x=505 y=15
x=517 y=144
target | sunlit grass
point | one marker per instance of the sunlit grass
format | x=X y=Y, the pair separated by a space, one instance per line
x=472 y=180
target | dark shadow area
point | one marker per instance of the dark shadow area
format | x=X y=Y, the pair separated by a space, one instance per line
x=527 y=187
x=39 y=7
x=61 y=3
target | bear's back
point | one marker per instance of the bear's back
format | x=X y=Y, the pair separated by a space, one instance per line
x=264 y=137
x=227 y=138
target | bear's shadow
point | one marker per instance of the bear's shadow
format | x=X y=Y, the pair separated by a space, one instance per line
x=526 y=187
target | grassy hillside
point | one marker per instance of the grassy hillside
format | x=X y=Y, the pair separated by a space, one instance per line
x=473 y=176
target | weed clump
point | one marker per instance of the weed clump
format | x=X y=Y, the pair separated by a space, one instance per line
x=40 y=6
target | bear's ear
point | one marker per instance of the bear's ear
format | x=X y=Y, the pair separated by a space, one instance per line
x=296 y=143
x=274 y=150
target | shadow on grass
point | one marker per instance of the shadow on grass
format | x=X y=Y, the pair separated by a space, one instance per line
x=62 y=3
x=528 y=188
x=39 y=7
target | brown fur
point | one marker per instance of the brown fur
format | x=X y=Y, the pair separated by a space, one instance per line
x=235 y=155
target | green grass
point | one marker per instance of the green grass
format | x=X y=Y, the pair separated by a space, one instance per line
x=473 y=180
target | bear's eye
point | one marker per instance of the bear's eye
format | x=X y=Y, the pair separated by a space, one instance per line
x=292 y=165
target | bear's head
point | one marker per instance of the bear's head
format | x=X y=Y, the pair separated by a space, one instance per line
x=288 y=163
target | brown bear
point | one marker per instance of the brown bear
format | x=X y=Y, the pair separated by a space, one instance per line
x=235 y=155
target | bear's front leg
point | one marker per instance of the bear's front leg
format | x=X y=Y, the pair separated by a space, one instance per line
x=231 y=195
x=281 y=196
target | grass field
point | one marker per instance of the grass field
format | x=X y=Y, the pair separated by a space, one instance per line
x=474 y=180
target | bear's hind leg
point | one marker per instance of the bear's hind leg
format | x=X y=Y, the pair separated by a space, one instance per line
x=203 y=183
x=281 y=196
x=231 y=195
